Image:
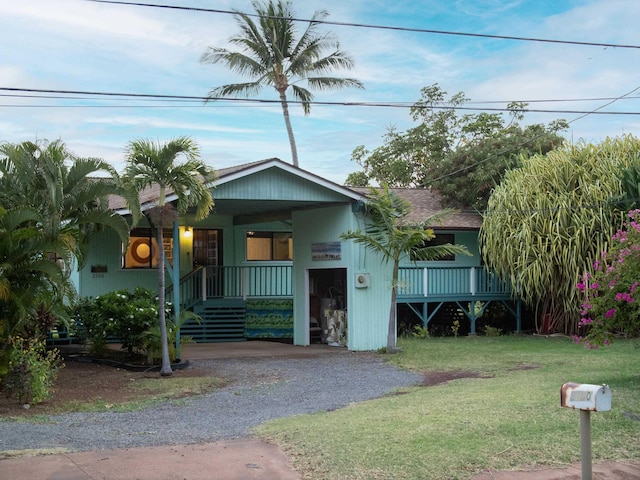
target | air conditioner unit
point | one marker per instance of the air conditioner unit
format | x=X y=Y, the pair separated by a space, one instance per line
x=362 y=280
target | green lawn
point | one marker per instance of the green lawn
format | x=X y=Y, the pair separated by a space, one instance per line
x=511 y=420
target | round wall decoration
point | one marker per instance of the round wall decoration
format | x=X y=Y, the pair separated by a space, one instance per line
x=141 y=251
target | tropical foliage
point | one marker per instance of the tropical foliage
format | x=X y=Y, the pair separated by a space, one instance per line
x=154 y=164
x=271 y=54
x=548 y=221
x=51 y=202
x=131 y=317
x=610 y=306
x=462 y=156
x=390 y=235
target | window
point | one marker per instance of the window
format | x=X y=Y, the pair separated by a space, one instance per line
x=269 y=246
x=442 y=239
x=142 y=251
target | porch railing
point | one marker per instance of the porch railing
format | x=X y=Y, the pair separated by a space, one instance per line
x=255 y=281
x=449 y=282
x=247 y=281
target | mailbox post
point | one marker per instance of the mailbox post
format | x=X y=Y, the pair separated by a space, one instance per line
x=586 y=398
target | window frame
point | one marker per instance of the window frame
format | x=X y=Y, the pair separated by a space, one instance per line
x=442 y=239
x=274 y=236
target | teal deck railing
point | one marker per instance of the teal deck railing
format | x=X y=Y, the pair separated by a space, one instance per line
x=246 y=281
x=450 y=282
x=255 y=281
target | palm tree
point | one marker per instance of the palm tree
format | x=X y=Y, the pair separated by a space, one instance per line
x=389 y=234
x=52 y=202
x=271 y=55
x=70 y=193
x=152 y=164
x=30 y=283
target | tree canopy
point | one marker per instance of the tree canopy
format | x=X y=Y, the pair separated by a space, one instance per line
x=548 y=221
x=462 y=156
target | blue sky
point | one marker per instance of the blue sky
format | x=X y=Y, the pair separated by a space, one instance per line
x=85 y=46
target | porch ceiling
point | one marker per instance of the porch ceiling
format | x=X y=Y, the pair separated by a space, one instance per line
x=249 y=211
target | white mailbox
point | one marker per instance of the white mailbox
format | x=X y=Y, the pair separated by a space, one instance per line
x=582 y=396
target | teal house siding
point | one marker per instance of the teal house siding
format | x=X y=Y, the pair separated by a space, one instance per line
x=103 y=270
x=367 y=309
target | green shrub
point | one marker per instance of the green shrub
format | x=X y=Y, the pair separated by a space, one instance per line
x=32 y=370
x=490 y=331
x=420 y=332
x=119 y=316
x=153 y=340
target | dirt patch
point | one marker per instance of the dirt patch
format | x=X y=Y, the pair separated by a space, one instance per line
x=86 y=382
x=435 y=378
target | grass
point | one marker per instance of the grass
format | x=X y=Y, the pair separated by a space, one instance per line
x=511 y=420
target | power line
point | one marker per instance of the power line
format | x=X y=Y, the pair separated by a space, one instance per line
x=380 y=27
x=525 y=142
x=249 y=101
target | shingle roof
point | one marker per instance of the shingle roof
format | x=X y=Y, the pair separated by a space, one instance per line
x=427 y=202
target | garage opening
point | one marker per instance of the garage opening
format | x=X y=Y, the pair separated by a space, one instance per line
x=328 y=306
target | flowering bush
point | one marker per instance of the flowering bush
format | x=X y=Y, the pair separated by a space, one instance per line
x=120 y=316
x=32 y=370
x=611 y=295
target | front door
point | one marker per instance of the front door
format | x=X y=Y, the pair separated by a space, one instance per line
x=207 y=252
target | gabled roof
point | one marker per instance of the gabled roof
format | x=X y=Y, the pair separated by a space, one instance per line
x=234 y=187
x=274 y=168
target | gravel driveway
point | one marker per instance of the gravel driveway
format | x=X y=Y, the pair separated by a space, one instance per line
x=261 y=389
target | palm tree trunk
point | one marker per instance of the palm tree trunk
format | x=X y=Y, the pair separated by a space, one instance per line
x=165 y=371
x=287 y=122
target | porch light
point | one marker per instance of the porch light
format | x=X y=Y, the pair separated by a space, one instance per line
x=187 y=232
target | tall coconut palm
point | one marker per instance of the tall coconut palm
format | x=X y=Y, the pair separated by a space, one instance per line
x=389 y=234
x=271 y=55
x=154 y=164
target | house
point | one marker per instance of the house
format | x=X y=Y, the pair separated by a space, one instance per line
x=268 y=262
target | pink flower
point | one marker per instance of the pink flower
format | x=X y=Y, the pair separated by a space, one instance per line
x=610 y=313
x=585 y=321
x=624 y=297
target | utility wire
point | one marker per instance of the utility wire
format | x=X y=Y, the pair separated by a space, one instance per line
x=379 y=27
x=231 y=100
x=525 y=142
x=149 y=97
